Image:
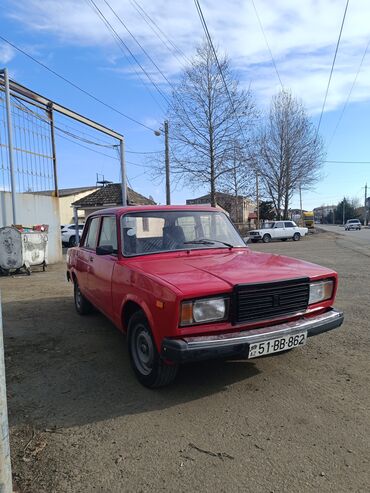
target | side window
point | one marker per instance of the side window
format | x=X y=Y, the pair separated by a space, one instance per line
x=108 y=234
x=92 y=233
x=289 y=225
x=279 y=225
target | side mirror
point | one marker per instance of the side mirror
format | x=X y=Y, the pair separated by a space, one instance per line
x=104 y=250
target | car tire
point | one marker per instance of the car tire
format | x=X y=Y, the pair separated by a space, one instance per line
x=254 y=241
x=72 y=241
x=82 y=305
x=296 y=237
x=148 y=366
x=266 y=238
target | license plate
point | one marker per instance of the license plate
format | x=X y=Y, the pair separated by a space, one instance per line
x=276 y=345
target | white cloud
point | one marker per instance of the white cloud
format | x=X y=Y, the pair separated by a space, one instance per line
x=7 y=53
x=302 y=35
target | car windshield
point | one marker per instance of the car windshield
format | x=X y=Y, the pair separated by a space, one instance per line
x=163 y=231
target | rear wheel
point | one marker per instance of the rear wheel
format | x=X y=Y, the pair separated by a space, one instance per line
x=266 y=238
x=146 y=362
x=72 y=241
x=83 y=306
x=296 y=237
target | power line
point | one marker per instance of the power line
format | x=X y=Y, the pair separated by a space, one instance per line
x=118 y=37
x=156 y=29
x=210 y=42
x=349 y=94
x=347 y=162
x=144 y=152
x=267 y=43
x=332 y=68
x=68 y=81
x=137 y=42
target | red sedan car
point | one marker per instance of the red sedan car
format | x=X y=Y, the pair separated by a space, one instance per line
x=183 y=285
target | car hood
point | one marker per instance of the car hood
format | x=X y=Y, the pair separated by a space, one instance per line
x=201 y=274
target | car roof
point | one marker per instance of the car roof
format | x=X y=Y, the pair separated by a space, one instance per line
x=155 y=208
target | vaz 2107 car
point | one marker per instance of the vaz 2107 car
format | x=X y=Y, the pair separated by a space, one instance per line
x=183 y=286
x=278 y=230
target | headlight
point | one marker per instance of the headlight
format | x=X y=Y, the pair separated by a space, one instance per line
x=204 y=310
x=320 y=291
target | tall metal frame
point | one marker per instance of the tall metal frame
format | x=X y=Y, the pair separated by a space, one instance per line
x=12 y=88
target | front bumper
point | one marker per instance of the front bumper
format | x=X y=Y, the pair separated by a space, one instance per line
x=237 y=343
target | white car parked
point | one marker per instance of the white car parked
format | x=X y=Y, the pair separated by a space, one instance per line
x=278 y=230
x=69 y=234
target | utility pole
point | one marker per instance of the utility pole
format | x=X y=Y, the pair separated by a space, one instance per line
x=365 y=208
x=257 y=200
x=5 y=466
x=300 y=202
x=167 y=162
x=344 y=209
x=123 y=171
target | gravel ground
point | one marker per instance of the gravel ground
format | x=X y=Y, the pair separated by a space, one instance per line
x=80 y=422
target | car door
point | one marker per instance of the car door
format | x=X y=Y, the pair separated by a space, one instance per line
x=101 y=266
x=289 y=229
x=278 y=230
x=86 y=254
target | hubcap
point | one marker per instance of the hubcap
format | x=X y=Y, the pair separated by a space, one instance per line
x=142 y=349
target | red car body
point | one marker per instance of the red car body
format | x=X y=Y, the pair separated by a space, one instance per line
x=157 y=284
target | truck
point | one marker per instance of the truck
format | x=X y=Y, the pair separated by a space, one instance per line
x=183 y=286
x=309 y=219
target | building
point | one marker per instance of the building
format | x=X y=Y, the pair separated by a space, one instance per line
x=322 y=213
x=66 y=197
x=240 y=209
x=108 y=196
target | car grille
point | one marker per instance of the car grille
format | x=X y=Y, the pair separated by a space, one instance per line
x=264 y=301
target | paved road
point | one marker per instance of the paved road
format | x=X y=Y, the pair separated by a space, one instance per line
x=80 y=422
x=361 y=237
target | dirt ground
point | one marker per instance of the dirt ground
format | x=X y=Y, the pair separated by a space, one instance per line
x=80 y=422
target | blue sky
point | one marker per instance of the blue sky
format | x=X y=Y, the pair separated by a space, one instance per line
x=70 y=38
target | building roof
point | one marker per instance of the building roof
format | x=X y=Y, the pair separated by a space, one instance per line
x=219 y=195
x=112 y=195
x=65 y=192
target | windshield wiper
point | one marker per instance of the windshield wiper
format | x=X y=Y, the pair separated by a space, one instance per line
x=206 y=241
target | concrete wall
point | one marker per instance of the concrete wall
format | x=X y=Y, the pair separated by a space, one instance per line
x=35 y=209
x=66 y=209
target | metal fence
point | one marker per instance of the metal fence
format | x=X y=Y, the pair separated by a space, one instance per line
x=30 y=128
x=32 y=146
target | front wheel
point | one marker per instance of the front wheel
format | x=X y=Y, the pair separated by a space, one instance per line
x=266 y=238
x=254 y=241
x=72 y=241
x=296 y=237
x=83 y=306
x=146 y=362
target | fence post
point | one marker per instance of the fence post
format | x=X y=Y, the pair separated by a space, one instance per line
x=10 y=143
x=5 y=466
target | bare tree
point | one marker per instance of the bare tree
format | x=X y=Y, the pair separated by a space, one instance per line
x=240 y=180
x=205 y=124
x=290 y=153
